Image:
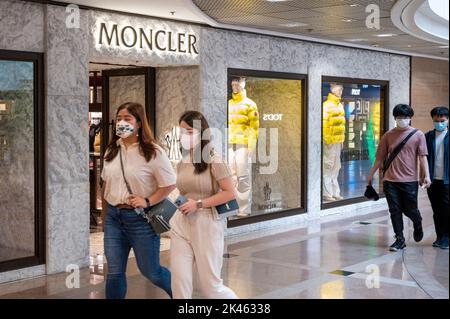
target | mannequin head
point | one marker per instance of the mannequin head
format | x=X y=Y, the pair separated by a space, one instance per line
x=238 y=85
x=336 y=89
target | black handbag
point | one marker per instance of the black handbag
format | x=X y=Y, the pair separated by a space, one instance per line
x=157 y=216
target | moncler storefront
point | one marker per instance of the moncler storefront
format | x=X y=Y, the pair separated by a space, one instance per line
x=306 y=116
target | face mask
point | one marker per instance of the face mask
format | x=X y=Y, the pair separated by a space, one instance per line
x=403 y=123
x=440 y=126
x=124 y=129
x=189 y=141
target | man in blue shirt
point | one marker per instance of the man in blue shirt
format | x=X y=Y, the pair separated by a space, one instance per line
x=437 y=144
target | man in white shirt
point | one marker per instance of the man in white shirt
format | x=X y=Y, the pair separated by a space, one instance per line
x=437 y=144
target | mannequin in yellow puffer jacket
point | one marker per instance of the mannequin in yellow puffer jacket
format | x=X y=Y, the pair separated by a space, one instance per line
x=243 y=125
x=333 y=121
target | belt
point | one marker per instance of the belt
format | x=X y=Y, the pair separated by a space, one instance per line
x=124 y=206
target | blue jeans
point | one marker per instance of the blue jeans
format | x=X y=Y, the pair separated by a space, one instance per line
x=125 y=229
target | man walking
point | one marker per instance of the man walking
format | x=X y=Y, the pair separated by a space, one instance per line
x=398 y=154
x=437 y=143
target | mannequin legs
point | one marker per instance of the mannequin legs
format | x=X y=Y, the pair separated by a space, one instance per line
x=240 y=164
x=331 y=167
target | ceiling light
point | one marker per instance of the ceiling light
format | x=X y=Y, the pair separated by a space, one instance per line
x=409 y=46
x=355 y=5
x=347 y=20
x=385 y=35
x=356 y=40
x=293 y=25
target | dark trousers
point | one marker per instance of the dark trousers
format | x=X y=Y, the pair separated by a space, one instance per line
x=402 y=198
x=438 y=195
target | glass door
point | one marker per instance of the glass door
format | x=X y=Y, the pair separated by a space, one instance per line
x=22 y=197
x=125 y=85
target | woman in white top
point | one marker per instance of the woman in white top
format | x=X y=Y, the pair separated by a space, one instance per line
x=197 y=231
x=150 y=178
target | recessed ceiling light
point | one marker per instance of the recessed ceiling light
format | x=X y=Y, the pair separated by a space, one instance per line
x=385 y=35
x=293 y=25
x=356 y=40
x=347 y=20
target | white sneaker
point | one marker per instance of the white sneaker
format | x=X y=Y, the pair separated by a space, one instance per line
x=328 y=198
x=338 y=197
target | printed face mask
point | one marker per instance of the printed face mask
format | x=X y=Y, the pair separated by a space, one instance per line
x=124 y=129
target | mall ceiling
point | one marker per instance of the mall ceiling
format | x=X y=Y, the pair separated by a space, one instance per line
x=333 y=21
x=337 y=20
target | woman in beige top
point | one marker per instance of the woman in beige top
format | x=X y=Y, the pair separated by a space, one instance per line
x=150 y=179
x=197 y=232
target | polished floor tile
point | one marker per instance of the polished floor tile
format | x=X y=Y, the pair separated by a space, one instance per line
x=341 y=259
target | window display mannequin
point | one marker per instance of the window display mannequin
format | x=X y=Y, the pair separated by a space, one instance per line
x=243 y=124
x=333 y=139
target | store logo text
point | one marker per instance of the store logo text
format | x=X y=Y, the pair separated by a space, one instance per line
x=127 y=36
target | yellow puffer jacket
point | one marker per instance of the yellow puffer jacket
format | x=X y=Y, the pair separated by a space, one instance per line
x=333 y=120
x=376 y=117
x=243 y=120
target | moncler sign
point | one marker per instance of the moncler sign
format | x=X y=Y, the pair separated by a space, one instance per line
x=151 y=39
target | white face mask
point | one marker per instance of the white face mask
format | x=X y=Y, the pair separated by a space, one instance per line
x=403 y=123
x=124 y=129
x=189 y=141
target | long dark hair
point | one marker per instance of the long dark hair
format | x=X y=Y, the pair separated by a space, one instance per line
x=189 y=117
x=147 y=143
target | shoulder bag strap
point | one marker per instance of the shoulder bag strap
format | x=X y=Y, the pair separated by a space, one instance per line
x=396 y=151
x=123 y=172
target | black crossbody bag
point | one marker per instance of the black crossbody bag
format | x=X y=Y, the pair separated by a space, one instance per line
x=388 y=161
x=157 y=216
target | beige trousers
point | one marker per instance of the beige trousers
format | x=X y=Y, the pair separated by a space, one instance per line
x=197 y=238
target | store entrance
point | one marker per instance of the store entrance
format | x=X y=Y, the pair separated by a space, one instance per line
x=109 y=87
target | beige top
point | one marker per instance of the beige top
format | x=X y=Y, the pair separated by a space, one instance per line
x=198 y=186
x=143 y=177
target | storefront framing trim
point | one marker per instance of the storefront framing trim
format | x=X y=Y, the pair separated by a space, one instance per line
x=39 y=161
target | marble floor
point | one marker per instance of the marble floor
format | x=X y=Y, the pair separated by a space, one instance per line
x=341 y=259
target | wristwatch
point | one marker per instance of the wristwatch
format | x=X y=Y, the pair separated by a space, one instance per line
x=148 y=202
x=199 y=204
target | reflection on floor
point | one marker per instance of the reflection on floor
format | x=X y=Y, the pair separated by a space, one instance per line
x=338 y=259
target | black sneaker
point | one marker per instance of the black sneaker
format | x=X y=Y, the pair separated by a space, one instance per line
x=398 y=244
x=418 y=233
x=437 y=242
x=443 y=244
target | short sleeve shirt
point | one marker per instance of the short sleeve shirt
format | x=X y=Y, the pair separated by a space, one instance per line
x=142 y=176
x=404 y=168
x=199 y=186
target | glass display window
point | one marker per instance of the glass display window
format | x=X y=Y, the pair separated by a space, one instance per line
x=266 y=147
x=353 y=122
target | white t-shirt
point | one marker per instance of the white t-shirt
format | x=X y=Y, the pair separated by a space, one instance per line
x=439 y=156
x=142 y=176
